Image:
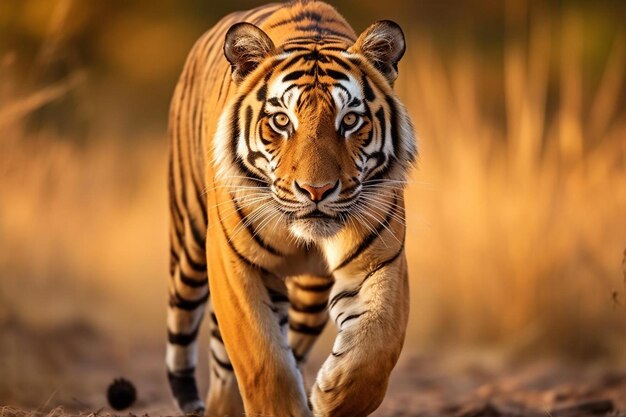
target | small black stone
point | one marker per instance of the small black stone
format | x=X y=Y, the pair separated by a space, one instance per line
x=121 y=394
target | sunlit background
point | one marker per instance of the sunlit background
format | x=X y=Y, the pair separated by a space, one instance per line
x=516 y=211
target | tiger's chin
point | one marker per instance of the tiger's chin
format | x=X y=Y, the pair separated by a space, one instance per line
x=313 y=229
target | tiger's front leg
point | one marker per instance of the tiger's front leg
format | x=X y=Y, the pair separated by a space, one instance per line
x=251 y=305
x=369 y=305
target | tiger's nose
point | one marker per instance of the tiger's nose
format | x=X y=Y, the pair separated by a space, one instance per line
x=316 y=193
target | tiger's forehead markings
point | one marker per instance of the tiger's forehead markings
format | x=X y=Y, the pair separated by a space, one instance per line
x=283 y=93
x=347 y=93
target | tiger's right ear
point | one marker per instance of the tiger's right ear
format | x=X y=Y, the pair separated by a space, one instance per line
x=245 y=47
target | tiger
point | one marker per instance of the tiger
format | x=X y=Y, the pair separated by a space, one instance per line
x=289 y=157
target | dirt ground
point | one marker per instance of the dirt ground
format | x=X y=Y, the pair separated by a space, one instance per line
x=78 y=365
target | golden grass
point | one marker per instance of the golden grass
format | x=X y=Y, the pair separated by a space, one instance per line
x=517 y=231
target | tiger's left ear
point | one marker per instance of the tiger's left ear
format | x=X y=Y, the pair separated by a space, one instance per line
x=383 y=45
x=245 y=47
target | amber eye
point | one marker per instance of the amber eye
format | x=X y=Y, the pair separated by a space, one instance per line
x=350 y=120
x=281 y=120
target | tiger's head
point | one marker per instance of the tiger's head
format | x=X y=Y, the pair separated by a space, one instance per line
x=315 y=127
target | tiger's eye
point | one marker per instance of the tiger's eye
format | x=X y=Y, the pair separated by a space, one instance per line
x=281 y=120
x=350 y=119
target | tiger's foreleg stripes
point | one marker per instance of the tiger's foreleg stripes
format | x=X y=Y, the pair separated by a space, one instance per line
x=371 y=319
x=308 y=313
x=223 y=398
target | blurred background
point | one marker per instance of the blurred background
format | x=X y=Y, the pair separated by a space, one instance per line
x=516 y=211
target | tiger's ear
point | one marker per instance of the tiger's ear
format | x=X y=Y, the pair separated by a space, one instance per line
x=383 y=45
x=245 y=47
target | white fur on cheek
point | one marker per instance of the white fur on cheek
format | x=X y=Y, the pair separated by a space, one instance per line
x=222 y=158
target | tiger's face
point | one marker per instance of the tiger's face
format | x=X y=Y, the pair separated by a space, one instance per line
x=318 y=128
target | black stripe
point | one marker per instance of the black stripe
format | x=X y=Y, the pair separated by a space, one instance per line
x=237 y=253
x=274 y=101
x=370 y=134
x=182 y=339
x=257 y=238
x=342 y=295
x=292 y=76
x=395 y=136
x=217 y=335
x=369 y=239
x=309 y=308
x=315 y=41
x=337 y=75
x=380 y=171
x=173 y=255
x=221 y=363
x=347 y=191
x=183 y=387
x=248 y=122
x=351 y=317
x=226 y=81
x=191 y=282
x=380 y=115
x=198 y=266
x=261 y=94
x=292 y=60
x=306 y=329
x=252 y=156
x=179 y=302
x=234 y=126
x=324 y=31
x=355 y=292
x=380 y=157
x=277 y=297
x=283 y=189
x=339 y=48
x=367 y=89
x=340 y=62
x=177 y=139
x=383 y=264
x=306 y=15
x=173 y=201
x=197 y=236
x=314 y=287
x=297 y=48
x=196 y=129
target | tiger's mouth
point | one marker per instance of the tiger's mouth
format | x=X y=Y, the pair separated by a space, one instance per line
x=315 y=225
x=317 y=214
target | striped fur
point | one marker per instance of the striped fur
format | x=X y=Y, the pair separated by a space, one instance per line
x=289 y=155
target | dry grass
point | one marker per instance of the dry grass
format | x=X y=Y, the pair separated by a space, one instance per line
x=518 y=230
